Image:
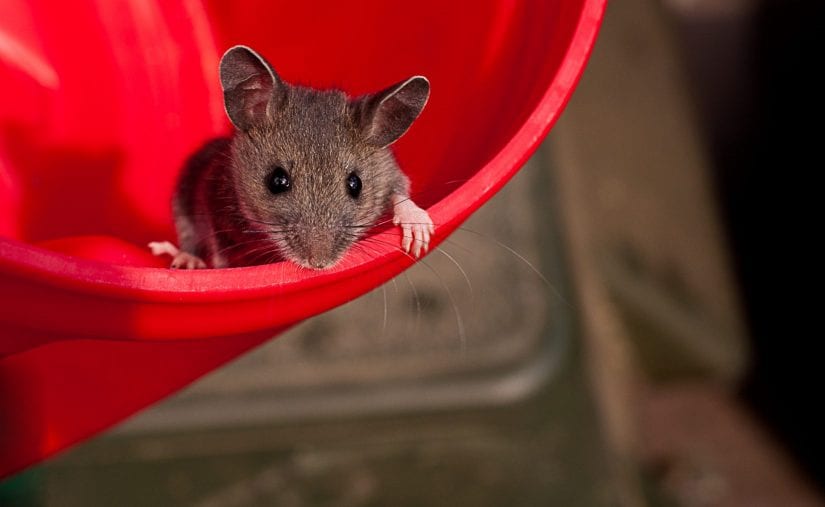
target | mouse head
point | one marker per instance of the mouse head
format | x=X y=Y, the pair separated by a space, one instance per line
x=313 y=169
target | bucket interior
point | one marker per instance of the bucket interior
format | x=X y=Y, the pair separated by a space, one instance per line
x=98 y=115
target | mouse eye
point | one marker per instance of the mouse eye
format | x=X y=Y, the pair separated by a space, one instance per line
x=278 y=180
x=354 y=185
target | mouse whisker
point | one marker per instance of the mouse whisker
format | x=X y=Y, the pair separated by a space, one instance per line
x=394 y=246
x=212 y=235
x=267 y=253
x=254 y=254
x=460 y=269
x=462 y=335
x=372 y=253
x=263 y=222
x=459 y=321
x=239 y=244
x=523 y=259
x=417 y=300
x=268 y=231
x=384 y=321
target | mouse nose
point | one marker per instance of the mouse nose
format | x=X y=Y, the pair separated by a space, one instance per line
x=319 y=263
x=321 y=249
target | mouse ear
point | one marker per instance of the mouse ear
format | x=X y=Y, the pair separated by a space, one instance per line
x=384 y=116
x=250 y=87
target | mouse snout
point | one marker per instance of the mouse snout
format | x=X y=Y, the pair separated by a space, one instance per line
x=317 y=262
x=320 y=249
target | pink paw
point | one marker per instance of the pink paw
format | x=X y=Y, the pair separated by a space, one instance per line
x=180 y=260
x=185 y=260
x=416 y=226
x=159 y=248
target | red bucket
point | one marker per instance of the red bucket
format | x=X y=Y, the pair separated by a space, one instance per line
x=102 y=101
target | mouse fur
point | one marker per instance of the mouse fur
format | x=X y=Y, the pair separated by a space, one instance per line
x=306 y=173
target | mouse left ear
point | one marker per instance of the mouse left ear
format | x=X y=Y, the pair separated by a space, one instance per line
x=251 y=88
x=385 y=116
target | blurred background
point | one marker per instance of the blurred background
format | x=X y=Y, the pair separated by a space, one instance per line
x=617 y=327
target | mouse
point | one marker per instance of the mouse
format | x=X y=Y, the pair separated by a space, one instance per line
x=305 y=174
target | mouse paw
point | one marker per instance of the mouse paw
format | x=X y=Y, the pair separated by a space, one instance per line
x=159 y=248
x=185 y=260
x=416 y=227
x=180 y=259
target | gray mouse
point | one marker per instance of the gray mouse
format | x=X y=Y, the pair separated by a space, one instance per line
x=305 y=175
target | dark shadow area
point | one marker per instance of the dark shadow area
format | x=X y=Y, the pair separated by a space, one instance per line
x=766 y=145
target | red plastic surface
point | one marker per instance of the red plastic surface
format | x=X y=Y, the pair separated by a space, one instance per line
x=102 y=101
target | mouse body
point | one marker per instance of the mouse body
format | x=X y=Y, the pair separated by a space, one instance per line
x=306 y=173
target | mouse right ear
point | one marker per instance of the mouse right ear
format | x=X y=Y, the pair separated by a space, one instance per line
x=250 y=87
x=384 y=116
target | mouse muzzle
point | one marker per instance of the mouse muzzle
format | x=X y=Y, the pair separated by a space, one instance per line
x=319 y=250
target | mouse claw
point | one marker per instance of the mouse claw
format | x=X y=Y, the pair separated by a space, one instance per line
x=425 y=234
x=421 y=243
x=185 y=260
x=406 y=237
